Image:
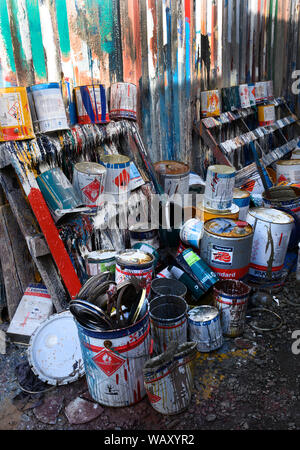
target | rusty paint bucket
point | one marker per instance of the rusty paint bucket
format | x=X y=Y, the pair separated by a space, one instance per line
x=219 y=187
x=204 y=327
x=173 y=176
x=15 y=118
x=47 y=107
x=231 y=299
x=114 y=362
x=169 y=379
x=91 y=104
x=168 y=318
x=88 y=182
x=272 y=232
x=123 y=101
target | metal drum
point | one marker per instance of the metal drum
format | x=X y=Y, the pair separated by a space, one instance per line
x=272 y=231
x=114 y=362
x=15 y=119
x=123 y=101
x=168 y=318
x=226 y=247
x=47 y=107
x=219 y=187
x=88 y=182
x=173 y=176
x=137 y=265
x=231 y=299
x=204 y=328
x=288 y=171
x=117 y=177
x=91 y=104
x=101 y=261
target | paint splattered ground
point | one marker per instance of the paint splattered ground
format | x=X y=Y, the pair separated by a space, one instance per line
x=249 y=384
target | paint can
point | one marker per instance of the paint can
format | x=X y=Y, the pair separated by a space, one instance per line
x=167 y=286
x=100 y=261
x=204 y=214
x=242 y=200
x=123 y=101
x=226 y=247
x=231 y=299
x=114 y=362
x=91 y=104
x=288 y=171
x=273 y=228
x=168 y=319
x=142 y=232
x=169 y=379
x=204 y=327
x=219 y=187
x=47 y=107
x=266 y=115
x=210 y=103
x=145 y=247
x=57 y=191
x=201 y=271
x=15 y=118
x=88 y=182
x=296 y=154
x=191 y=232
x=117 y=177
x=174 y=176
x=137 y=265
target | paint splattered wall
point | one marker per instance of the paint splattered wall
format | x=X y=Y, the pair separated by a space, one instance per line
x=172 y=49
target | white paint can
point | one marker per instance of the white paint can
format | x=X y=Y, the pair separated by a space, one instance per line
x=272 y=231
x=288 y=171
x=123 y=101
x=219 y=187
x=88 y=182
x=204 y=327
x=174 y=176
x=242 y=200
x=49 y=112
x=117 y=182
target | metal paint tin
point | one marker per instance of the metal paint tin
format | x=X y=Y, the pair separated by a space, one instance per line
x=167 y=286
x=57 y=191
x=15 y=119
x=169 y=379
x=288 y=171
x=47 y=106
x=231 y=299
x=287 y=197
x=219 y=187
x=135 y=264
x=88 y=182
x=204 y=214
x=114 y=362
x=272 y=228
x=141 y=232
x=206 y=276
x=123 y=101
x=191 y=232
x=242 y=200
x=173 y=176
x=117 y=182
x=226 y=247
x=168 y=319
x=91 y=104
x=266 y=115
x=204 y=327
x=145 y=247
x=101 y=261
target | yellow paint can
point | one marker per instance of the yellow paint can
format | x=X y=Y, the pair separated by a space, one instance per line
x=204 y=214
x=15 y=118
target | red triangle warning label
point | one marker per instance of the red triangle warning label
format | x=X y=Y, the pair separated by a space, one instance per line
x=108 y=362
x=92 y=190
x=152 y=397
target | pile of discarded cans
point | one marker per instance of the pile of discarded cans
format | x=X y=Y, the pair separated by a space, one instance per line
x=146 y=311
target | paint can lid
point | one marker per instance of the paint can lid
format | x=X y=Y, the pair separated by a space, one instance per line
x=271 y=215
x=134 y=257
x=114 y=159
x=222 y=169
x=54 y=352
x=171 y=167
x=90 y=168
x=203 y=313
x=101 y=255
x=228 y=228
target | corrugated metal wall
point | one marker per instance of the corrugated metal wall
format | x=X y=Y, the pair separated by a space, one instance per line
x=170 y=48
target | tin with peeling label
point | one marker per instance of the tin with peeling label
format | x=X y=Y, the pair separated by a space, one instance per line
x=219 y=187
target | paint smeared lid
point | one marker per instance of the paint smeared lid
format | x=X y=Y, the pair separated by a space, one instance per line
x=134 y=257
x=203 y=313
x=101 y=255
x=271 y=215
x=171 y=167
x=222 y=169
x=90 y=168
x=114 y=159
x=228 y=228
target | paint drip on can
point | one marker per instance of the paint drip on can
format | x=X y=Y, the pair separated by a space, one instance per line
x=91 y=104
x=123 y=101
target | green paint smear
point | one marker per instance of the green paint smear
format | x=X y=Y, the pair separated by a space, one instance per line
x=5 y=32
x=63 y=27
x=36 y=40
x=106 y=23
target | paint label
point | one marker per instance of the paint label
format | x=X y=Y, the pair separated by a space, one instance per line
x=222 y=255
x=11 y=113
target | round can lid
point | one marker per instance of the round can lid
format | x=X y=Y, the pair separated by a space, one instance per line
x=90 y=168
x=134 y=257
x=54 y=352
x=203 y=313
x=228 y=228
x=101 y=255
x=115 y=159
x=222 y=169
x=271 y=215
x=171 y=167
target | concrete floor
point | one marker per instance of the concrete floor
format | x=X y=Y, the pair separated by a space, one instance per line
x=248 y=384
